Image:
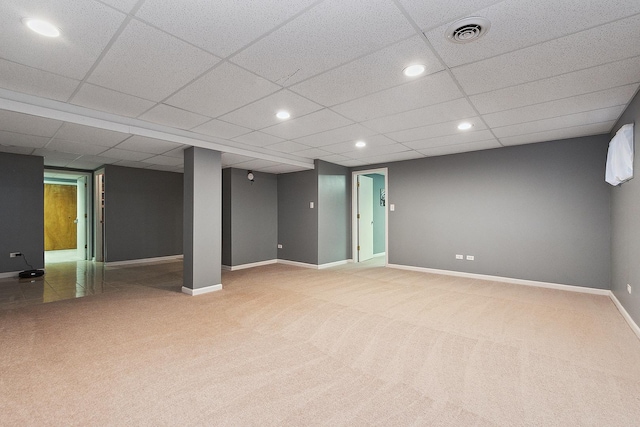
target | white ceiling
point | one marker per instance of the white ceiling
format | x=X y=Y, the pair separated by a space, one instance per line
x=133 y=83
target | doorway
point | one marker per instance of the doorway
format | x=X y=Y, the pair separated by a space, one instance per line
x=66 y=212
x=369 y=215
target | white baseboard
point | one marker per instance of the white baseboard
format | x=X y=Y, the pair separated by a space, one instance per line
x=558 y=286
x=144 y=260
x=250 y=265
x=333 y=264
x=314 y=266
x=200 y=291
x=9 y=274
x=634 y=326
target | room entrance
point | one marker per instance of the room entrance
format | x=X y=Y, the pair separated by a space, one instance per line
x=369 y=213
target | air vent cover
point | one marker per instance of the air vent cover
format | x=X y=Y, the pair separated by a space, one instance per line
x=468 y=29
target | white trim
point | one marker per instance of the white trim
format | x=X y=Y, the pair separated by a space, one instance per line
x=9 y=274
x=354 y=211
x=332 y=264
x=250 y=265
x=144 y=260
x=200 y=291
x=634 y=326
x=297 y=264
x=380 y=254
x=558 y=286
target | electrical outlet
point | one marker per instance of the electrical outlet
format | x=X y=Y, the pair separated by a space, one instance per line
x=310 y=205
x=458 y=256
x=14 y=254
x=628 y=288
x=470 y=257
x=279 y=246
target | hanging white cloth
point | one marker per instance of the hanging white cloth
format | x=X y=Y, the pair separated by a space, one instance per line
x=620 y=156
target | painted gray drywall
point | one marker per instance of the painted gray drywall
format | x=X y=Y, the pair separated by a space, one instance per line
x=202 y=218
x=143 y=213
x=254 y=217
x=297 y=223
x=334 y=210
x=226 y=216
x=625 y=225
x=536 y=212
x=21 y=211
x=378 y=214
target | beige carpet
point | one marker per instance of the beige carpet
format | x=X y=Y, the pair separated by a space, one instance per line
x=285 y=346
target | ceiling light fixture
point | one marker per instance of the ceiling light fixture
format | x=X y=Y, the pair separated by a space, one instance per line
x=414 y=70
x=361 y=144
x=41 y=27
x=465 y=126
x=283 y=115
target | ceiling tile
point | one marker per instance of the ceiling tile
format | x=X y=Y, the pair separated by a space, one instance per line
x=551 y=135
x=123 y=5
x=222 y=26
x=258 y=139
x=319 y=121
x=132 y=164
x=370 y=151
x=572 y=120
x=349 y=146
x=14 y=149
x=597 y=46
x=371 y=73
x=518 y=24
x=21 y=140
x=28 y=124
x=79 y=148
x=103 y=160
x=287 y=147
x=86 y=27
x=353 y=163
x=426 y=91
x=176 y=152
x=116 y=153
x=606 y=98
x=84 y=164
x=571 y=84
x=282 y=168
x=393 y=157
x=150 y=64
x=229 y=159
x=223 y=89
x=90 y=135
x=221 y=129
x=20 y=78
x=461 y=138
x=110 y=101
x=312 y=153
x=432 y=131
x=58 y=155
x=430 y=13
x=349 y=133
x=147 y=145
x=460 y=148
x=175 y=117
x=335 y=158
x=165 y=168
x=439 y=113
x=164 y=160
x=262 y=113
x=255 y=164
x=306 y=46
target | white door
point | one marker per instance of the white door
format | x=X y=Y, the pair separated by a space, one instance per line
x=365 y=218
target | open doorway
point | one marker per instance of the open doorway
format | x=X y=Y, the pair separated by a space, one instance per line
x=369 y=215
x=66 y=213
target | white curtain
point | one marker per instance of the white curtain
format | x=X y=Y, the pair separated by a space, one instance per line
x=620 y=156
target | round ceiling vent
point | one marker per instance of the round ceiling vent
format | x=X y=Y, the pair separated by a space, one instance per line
x=468 y=29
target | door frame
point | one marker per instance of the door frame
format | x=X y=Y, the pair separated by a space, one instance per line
x=354 y=211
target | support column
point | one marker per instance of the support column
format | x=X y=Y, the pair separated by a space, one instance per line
x=202 y=221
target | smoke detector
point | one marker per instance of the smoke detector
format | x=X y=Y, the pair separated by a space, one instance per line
x=468 y=29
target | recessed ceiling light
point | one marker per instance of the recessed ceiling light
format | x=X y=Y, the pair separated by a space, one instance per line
x=283 y=115
x=361 y=144
x=414 y=70
x=41 y=27
x=465 y=126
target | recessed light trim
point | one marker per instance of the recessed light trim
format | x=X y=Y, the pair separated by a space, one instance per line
x=465 y=126
x=361 y=144
x=414 y=70
x=41 y=27
x=283 y=115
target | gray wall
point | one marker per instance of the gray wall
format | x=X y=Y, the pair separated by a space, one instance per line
x=378 y=214
x=143 y=213
x=253 y=212
x=625 y=226
x=334 y=212
x=297 y=223
x=21 y=211
x=536 y=212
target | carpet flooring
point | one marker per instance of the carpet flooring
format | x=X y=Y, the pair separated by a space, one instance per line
x=348 y=346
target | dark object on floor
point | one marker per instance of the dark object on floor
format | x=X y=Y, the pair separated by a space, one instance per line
x=31 y=273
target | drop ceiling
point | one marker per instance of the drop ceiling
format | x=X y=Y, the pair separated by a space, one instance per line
x=133 y=83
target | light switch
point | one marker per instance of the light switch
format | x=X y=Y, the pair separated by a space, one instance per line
x=392 y=207
x=310 y=205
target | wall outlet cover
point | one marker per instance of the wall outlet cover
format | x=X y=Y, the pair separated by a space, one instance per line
x=458 y=256
x=470 y=257
x=279 y=246
x=628 y=288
